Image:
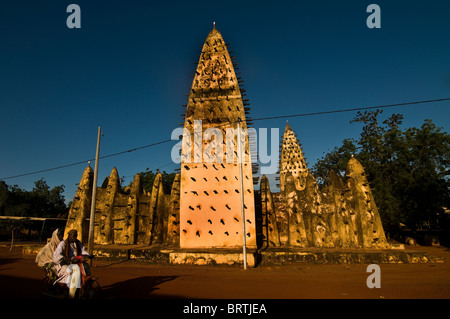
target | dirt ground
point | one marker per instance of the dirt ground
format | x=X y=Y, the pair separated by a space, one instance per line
x=136 y=280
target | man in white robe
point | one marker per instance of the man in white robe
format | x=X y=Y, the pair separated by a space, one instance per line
x=65 y=260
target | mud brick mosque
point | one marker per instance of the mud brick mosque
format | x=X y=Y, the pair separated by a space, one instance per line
x=204 y=208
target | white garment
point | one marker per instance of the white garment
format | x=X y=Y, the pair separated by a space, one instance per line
x=45 y=255
x=66 y=271
x=74 y=278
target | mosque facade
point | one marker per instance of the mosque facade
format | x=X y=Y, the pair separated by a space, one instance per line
x=213 y=202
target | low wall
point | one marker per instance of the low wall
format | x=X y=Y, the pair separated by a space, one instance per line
x=271 y=256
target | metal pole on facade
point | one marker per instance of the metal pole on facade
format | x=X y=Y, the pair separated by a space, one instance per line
x=94 y=198
x=241 y=173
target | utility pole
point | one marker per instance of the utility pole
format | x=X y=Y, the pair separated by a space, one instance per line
x=94 y=198
x=241 y=174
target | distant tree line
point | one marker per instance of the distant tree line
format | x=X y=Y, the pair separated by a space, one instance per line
x=41 y=201
x=408 y=169
x=44 y=201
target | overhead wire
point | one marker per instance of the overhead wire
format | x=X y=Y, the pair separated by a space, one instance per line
x=253 y=119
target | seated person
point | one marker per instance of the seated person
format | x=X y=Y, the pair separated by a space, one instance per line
x=65 y=259
x=44 y=258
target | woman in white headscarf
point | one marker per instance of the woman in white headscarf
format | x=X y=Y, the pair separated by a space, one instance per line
x=44 y=257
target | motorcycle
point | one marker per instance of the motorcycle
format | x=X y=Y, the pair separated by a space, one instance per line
x=89 y=286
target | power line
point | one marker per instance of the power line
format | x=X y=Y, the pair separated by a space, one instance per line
x=255 y=119
x=135 y=149
x=350 y=110
x=85 y=161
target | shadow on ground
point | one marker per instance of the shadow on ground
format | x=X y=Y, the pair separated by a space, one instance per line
x=5 y=261
x=20 y=288
x=137 y=288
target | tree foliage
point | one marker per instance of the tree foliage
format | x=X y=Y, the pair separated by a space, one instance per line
x=41 y=201
x=408 y=169
x=148 y=177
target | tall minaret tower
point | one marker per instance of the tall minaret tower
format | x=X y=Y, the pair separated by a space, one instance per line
x=211 y=180
x=292 y=160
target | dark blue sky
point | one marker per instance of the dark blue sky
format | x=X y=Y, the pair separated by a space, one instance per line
x=129 y=68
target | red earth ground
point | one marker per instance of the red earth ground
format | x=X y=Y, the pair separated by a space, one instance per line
x=137 y=280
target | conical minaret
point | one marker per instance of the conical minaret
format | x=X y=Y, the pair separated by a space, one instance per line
x=292 y=160
x=210 y=187
x=368 y=221
x=81 y=207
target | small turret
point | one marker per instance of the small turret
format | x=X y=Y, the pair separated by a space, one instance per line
x=292 y=160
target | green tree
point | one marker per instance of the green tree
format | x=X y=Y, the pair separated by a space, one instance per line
x=408 y=170
x=17 y=202
x=148 y=177
x=48 y=202
x=41 y=201
x=4 y=193
x=337 y=160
